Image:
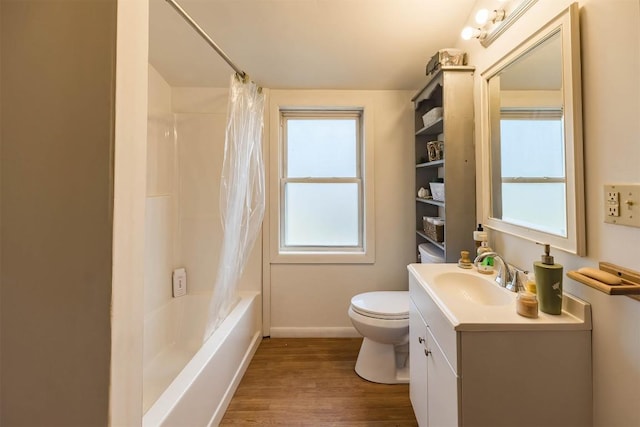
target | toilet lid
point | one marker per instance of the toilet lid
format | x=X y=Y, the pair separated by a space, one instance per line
x=382 y=304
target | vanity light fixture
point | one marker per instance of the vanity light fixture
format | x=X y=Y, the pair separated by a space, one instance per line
x=492 y=22
x=484 y=16
x=469 y=33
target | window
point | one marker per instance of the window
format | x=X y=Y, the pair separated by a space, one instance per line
x=321 y=182
x=533 y=168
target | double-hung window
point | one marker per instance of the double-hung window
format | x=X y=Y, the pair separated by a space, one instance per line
x=533 y=169
x=322 y=206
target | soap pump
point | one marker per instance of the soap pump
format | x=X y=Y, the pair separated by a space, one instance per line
x=479 y=236
x=548 y=282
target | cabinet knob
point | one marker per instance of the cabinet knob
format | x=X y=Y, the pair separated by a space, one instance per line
x=420 y=340
x=427 y=352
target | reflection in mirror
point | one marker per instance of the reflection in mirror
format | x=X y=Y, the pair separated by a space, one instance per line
x=527 y=149
x=534 y=134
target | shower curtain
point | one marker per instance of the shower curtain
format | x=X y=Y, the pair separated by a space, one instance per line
x=242 y=194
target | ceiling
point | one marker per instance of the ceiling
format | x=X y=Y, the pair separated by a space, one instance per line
x=305 y=44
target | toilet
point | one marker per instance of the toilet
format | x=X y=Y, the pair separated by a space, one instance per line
x=382 y=318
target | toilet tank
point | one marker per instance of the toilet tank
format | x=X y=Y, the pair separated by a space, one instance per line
x=430 y=253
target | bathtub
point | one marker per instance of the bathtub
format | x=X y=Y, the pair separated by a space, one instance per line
x=188 y=384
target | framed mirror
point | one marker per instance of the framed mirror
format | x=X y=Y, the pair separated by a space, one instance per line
x=532 y=138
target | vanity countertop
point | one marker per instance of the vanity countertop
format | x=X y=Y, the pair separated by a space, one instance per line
x=480 y=304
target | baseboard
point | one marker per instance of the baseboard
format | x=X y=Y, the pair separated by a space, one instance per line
x=314 y=332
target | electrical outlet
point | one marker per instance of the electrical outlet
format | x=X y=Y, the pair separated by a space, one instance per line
x=611 y=204
x=622 y=204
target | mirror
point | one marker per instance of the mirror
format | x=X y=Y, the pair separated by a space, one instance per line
x=532 y=122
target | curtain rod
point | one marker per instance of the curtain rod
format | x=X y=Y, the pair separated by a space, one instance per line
x=206 y=37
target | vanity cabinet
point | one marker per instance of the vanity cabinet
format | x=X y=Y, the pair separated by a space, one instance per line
x=449 y=92
x=433 y=383
x=418 y=364
x=474 y=374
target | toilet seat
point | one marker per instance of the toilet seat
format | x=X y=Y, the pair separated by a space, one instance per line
x=385 y=305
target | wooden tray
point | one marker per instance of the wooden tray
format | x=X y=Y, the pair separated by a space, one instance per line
x=630 y=280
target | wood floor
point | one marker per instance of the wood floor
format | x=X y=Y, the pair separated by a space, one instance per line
x=311 y=382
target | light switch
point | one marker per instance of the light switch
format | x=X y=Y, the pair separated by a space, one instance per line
x=622 y=204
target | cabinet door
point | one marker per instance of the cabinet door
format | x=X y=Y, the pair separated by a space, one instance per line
x=442 y=387
x=418 y=365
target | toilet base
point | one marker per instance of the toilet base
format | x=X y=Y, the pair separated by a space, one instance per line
x=383 y=363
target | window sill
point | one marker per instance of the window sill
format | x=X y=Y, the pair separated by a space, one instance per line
x=307 y=257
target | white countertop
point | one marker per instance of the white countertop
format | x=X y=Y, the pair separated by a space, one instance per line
x=466 y=315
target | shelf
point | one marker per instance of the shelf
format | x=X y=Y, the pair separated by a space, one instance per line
x=434 y=128
x=430 y=202
x=437 y=79
x=433 y=164
x=630 y=280
x=430 y=240
x=450 y=88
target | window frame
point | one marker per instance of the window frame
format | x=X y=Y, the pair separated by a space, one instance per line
x=324 y=114
x=310 y=102
x=531 y=114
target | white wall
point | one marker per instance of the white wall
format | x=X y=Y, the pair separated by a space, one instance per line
x=610 y=37
x=312 y=299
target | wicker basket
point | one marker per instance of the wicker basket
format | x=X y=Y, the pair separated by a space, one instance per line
x=433 y=231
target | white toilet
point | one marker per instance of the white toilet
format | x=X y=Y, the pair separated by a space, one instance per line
x=382 y=318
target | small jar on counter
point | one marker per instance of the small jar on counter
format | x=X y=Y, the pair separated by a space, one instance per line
x=527 y=304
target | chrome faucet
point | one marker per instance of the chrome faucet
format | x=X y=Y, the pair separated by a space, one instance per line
x=508 y=276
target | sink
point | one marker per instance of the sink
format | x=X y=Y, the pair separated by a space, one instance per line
x=471 y=288
x=471 y=301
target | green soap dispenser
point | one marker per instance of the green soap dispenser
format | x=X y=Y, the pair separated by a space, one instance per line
x=548 y=283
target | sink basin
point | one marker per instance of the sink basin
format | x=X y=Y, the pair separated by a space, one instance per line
x=472 y=288
x=471 y=301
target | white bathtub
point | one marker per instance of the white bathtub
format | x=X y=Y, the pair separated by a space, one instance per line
x=201 y=390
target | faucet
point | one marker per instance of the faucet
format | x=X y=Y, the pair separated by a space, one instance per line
x=508 y=276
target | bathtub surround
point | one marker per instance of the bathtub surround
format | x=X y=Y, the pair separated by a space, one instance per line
x=162 y=313
x=183 y=229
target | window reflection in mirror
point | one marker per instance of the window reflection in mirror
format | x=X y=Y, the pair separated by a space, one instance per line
x=528 y=143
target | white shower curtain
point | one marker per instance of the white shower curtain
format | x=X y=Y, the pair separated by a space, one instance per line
x=242 y=194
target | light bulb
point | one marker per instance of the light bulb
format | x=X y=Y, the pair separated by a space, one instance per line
x=482 y=16
x=467 y=33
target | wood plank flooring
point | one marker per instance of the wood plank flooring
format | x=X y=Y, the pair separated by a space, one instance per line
x=311 y=382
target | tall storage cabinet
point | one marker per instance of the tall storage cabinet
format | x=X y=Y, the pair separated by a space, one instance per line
x=447 y=100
